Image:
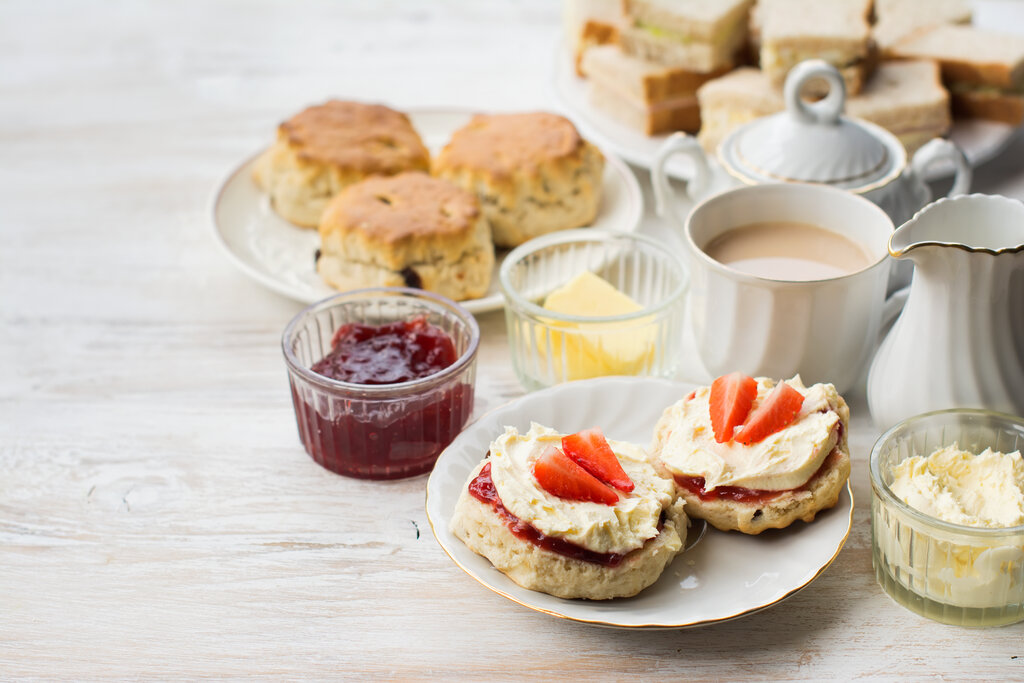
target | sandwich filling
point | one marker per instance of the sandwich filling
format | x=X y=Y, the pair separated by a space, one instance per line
x=785 y=460
x=595 y=527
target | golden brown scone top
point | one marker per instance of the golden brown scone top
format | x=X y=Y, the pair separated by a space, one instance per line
x=369 y=138
x=504 y=144
x=389 y=209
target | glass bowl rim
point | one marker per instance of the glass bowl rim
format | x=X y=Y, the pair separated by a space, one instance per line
x=882 y=490
x=522 y=305
x=383 y=391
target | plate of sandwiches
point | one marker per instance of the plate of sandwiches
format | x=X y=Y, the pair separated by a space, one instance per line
x=638 y=71
x=356 y=195
x=565 y=503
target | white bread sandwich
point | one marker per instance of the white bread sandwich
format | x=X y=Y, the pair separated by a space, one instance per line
x=904 y=97
x=907 y=99
x=731 y=100
x=984 y=70
x=696 y=35
x=898 y=19
x=836 y=31
x=649 y=97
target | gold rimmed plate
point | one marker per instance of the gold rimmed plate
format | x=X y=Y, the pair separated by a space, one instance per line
x=721 y=576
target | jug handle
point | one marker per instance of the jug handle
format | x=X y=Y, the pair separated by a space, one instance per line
x=938 y=150
x=696 y=182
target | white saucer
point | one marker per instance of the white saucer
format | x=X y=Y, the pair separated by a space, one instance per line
x=724 y=576
x=280 y=256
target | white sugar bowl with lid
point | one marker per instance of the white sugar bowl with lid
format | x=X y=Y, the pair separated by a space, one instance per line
x=812 y=142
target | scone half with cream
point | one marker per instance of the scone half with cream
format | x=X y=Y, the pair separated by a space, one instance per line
x=535 y=509
x=327 y=147
x=408 y=230
x=754 y=454
x=533 y=173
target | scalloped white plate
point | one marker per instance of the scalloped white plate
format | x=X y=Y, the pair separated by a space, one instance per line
x=280 y=256
x=723 y=576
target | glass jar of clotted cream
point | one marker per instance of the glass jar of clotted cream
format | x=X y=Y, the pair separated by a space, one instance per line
x=970 y=571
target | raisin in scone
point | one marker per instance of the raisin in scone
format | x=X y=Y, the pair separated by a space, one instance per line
x=752 y=454
x=551 y=525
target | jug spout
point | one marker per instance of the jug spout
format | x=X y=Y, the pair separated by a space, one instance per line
x=976 y=223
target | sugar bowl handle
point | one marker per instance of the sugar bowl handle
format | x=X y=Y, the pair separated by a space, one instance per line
x=941 y=150
x=825 y=111
x=697 y=175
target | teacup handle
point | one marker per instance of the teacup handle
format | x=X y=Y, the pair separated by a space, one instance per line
x=938 y=150
x=696 y=184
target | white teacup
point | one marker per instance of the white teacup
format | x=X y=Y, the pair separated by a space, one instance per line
x=826 y=329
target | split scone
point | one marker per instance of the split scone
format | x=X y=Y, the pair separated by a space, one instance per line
x=406 y=230
x=574 y=516
x=532 y=172
x=327 y=147
x=754 y=454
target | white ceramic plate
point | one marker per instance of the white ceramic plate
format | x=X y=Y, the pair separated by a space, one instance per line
x=979 y=140
x=280 y=256
x=723 y=576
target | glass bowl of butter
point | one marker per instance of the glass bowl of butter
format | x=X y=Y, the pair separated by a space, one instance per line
x=592 y=303
x=947 y=516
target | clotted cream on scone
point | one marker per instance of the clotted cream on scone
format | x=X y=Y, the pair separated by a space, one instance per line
x=523 y=509
x=769 y=469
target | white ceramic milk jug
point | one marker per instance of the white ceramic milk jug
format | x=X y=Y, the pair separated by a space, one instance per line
x=959 y=341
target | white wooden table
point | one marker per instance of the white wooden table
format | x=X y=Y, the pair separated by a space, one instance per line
x=158 y=516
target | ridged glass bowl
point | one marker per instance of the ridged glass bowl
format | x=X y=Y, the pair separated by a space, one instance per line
x=384 y=431
x=549 y=348
x=951 y=573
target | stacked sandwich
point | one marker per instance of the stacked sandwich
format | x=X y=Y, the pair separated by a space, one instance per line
x=649 y=76
x=669 y=66
x=905 y=97
x=983 y=70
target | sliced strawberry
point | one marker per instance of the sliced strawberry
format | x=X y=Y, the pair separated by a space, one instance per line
x=730 y=401
x=590 y=450
x=775 y=413
x=560 y=476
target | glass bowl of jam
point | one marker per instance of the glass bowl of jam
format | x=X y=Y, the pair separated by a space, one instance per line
x=381 y=379
x=947 y=535
x=590 y=303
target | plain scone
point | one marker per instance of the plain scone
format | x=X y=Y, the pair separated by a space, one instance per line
x=534 y=568
x=330 y=146
x=533 y=173
x=406 y=230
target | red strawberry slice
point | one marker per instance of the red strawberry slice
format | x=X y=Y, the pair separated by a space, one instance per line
x=590 y=450
x=560 y=476
x=776 y=412
x=730 y=401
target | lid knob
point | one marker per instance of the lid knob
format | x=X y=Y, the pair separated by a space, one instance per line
x=825 y=111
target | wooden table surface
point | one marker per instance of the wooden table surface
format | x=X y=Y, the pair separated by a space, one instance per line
x=158 y=515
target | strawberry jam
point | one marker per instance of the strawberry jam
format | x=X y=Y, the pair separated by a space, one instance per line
x=739 y=494
x=384 y=435
x=482 y=488
x=387 y=354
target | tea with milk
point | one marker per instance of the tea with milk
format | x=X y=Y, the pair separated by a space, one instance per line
x=782 y=250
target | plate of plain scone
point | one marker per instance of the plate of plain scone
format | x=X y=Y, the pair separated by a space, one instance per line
x=355 y=195
x=532 y=515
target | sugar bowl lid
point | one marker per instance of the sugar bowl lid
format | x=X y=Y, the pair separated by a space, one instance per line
x=813 y=142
